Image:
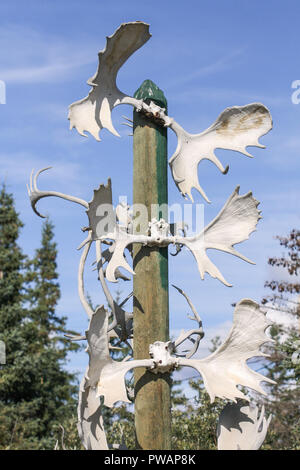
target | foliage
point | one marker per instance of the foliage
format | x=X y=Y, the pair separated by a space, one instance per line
x=120 y=428
x=194 y=421
x=284 y=368
x=67 y=435
x=36 y=392
x=290 y=262
x=194 y=426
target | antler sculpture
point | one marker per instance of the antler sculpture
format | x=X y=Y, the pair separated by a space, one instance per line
x=234 y=224
x=224 y=370
x=235 y=128
x=240 y=427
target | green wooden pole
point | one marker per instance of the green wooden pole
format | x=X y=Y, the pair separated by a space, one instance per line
x=150 y=285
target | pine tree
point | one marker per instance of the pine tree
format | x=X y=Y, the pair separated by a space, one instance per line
x=284 y=397
x=14 y=332
x=43 y=293
x=58 y=392
x=36 y=392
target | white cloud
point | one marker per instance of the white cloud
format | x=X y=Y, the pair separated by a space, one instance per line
x=281 y=317
x=231 y=96
x=38 y=57
x=221 y=63
x=292 y=143
x=42 y=73
x=16 y=168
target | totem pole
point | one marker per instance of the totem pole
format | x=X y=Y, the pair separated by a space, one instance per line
x=115 y=232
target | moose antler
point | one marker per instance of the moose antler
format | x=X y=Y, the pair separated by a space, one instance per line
x=235 y=128
x=120 y=317
x=101 y=196
x=241 y=427
x=187 y=334
x=35 y=194
x=87 y=307
x=226 y=368
x=222 y=371
x=234 y=224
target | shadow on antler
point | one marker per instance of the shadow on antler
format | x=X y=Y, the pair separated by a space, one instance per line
x=121 y=318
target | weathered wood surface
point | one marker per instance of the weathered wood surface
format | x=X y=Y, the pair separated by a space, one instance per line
x=151 y=301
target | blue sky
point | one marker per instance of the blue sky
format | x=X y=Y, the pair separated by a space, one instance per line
x=206 y=56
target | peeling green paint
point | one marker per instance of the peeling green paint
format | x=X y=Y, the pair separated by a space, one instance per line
x=149 y=91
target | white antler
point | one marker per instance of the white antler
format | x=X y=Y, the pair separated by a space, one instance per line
x=240 y=427
x=35 y=194
x=227 y=367
x=86 y=305
x=234 y=224
x=222 y=371
x=187 y=334
x=235 y=128
x=120 y=317
x=93 y=113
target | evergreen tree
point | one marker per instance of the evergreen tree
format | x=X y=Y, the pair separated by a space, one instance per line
x=43 y=293
x=14 y=332
x=36 y=392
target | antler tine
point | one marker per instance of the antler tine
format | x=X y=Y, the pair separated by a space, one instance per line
x=196 y=315
x=81 y=292
x=31 y=178
x=127 y=118
x=30 y=187
x=35 y=194
x=127 y=124
x=125 y=300
x=120 y=317
x=187 y=335
x=37 y=175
